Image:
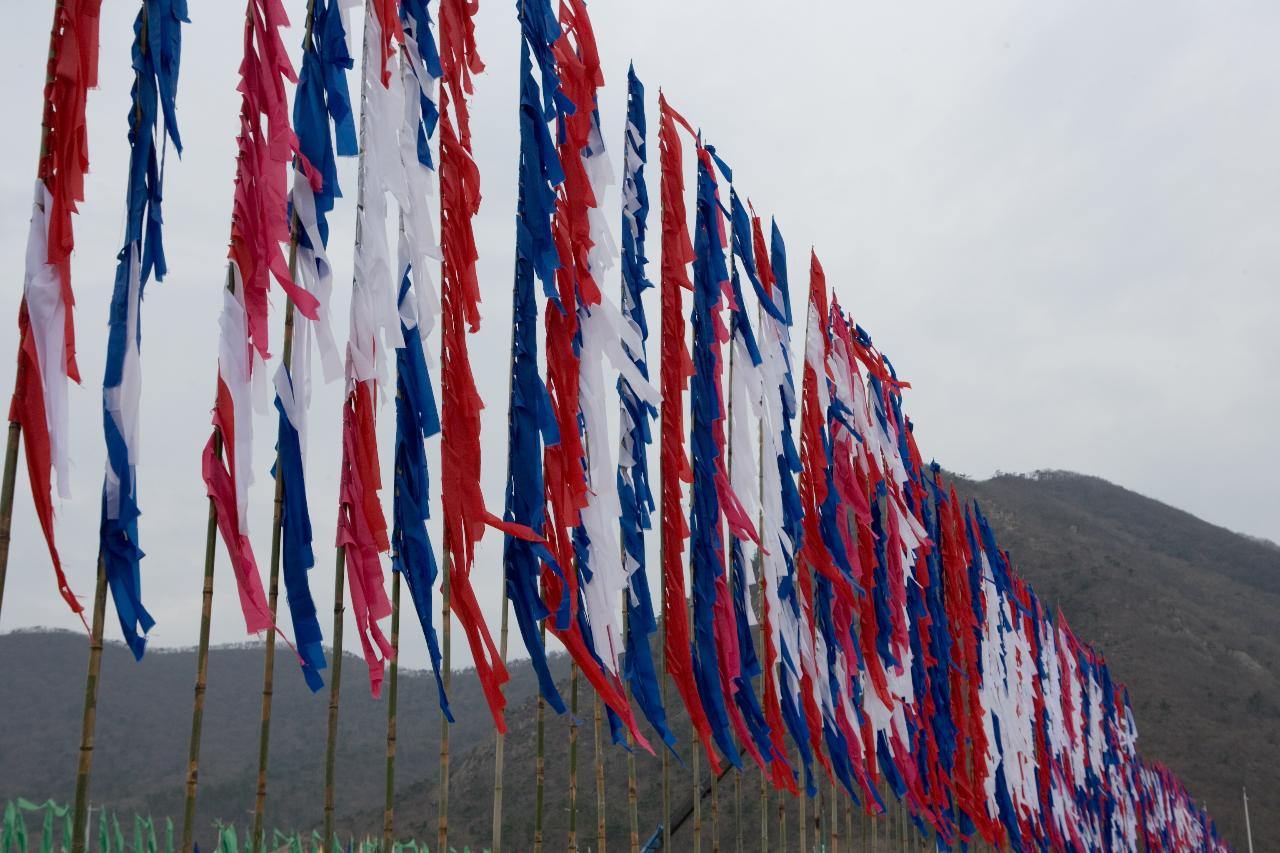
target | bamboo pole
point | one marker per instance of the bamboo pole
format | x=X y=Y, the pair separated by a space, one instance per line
x=15 y=428
x=875 y=826
x=715 y=813
x=539 y=763
x=819 y=811
x=393 y=690
x=632 y=794
x=335 y=693
x=6 y=498
x=273 y=595
x=848 y=822
x=446 y=654
x=737 y=808
x=697 y=800
x=89 y=721
x=269 y=653
x=663 y=676
x=340 y=559
x=804 y=822
x=573 y=758
x=500 y=738
x=834 y=829
x=600 y=801
x=782 y=811
x=80 y=814
x=202 y=665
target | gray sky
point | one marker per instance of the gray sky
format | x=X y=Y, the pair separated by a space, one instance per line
x=1059 y=220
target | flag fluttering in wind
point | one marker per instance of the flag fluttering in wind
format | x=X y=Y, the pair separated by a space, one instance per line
x=635 y=493
x=375 y=330
x=325 y=125
x=583 y=328
x=715 y=646
x=46 y=326
x=465 y=516
x=531 y=422
x=745 y=403
x=157 y=51
x=780 y=514
x=259 y=225
x=416 y=416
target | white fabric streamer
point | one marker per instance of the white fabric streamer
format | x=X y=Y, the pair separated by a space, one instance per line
x=42 y=288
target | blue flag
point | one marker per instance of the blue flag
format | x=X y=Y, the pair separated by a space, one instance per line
x=157 y=50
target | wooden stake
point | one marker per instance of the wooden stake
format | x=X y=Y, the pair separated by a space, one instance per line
x=202 y=665
x=80 y=815
x=335 y=693
x=500 y=738
x=389 y=809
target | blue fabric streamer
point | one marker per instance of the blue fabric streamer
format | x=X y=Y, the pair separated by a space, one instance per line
x=296 y=554
x=322 y=100
x=416 y=420
x=531 y=423
x=156 y=62
x=322 y=108
x=788 y=462
x=417 y=28
x=706 y=558
x=634 y=492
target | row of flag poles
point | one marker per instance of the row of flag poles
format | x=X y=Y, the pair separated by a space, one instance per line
x=830 y=609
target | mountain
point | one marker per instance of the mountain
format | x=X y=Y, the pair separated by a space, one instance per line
x=1187 y=614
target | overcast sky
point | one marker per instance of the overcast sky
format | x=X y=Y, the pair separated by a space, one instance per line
x=1061 y=222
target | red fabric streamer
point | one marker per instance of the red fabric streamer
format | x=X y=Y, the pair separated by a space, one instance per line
x=267 y=145
x=564 y=463
x=461 y=498
x=392 y=34
x=813 y=556
x=71 y=71
x=220 y=483
x=676 y=370
x=259 y=225
x=362 y=528
x=27 y=409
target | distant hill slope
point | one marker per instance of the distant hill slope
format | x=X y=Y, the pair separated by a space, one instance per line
x=1188 y=615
